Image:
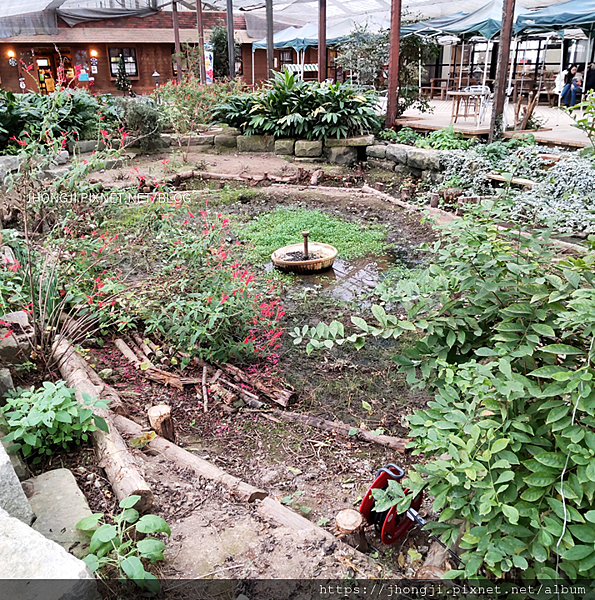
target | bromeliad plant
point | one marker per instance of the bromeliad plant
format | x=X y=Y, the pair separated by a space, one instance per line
x=291 y=107
x=121 y=548
x=508 y=347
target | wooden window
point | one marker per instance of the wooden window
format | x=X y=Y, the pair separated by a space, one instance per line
x=286 y=57
x=129 y=56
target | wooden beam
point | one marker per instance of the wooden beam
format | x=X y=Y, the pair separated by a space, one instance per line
x=176 y=23
x=201 y=42
x=393 y=62
x=270 y=43
x=502 y=68
x=321 y=40
x=231 y=41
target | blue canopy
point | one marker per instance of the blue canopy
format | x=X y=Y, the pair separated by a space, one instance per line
x=281 y=39
x=432 y=26
x=486 y=21
x=568 y=15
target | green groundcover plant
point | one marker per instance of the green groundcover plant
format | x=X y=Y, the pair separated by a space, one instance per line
x=39 y=421
x=506 y=335
x=284 y=226
x=293 y=108
x=122 y=546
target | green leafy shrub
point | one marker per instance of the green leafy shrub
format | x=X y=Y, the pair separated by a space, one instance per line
x=143 y=120
x=122 y=547
x=41 y=420
x=445 y=139
x=291 y=107
x=284 y=226
x=507 y=345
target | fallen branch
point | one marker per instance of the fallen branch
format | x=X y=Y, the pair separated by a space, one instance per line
x=241 y=490
x=397 y=444
x=114 y=456
x=277 y=394
x=151 y=372
x=205 y=397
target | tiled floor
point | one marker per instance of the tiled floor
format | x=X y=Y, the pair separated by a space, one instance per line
x=557 y=127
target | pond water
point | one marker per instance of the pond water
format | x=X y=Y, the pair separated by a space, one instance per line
x=350 y=280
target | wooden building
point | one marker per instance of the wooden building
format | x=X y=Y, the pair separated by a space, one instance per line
x=87 y=55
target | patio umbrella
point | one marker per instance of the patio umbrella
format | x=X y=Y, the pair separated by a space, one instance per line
x=285 y=38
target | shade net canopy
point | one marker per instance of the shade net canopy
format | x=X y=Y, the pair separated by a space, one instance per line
x=301 y=38
x=485 y=22
x=40 y=17
x=432 y=26
x=573 y=14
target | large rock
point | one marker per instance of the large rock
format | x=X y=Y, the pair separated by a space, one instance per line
x=8 y=164
x=255 y=143
x=12 y=496
x=62 y=157
x=18 y=464
x=342 y=156
x=59 y=505
x=397 y=153
x=424 y=159
x=358 y=140
x=377 y=163
x=284 y=147
x=308 y=148
x=35 y=568
x=16 y=336
x=195 y=140
x=226 y=140
x=376 y=151
x=6 y=385
x=83 y=146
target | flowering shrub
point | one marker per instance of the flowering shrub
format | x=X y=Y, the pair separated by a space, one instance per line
x=216 y=309
x=74 y=114
x=188 y=104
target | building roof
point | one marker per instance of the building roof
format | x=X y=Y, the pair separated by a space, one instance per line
x=114 y=35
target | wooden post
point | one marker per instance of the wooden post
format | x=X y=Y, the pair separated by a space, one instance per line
x=321 y=40
x=231 y=41
x=201 y=42
x=502 y=66
x=161 y=421
x=174 y=14
x=270 y=42
x=393 y=63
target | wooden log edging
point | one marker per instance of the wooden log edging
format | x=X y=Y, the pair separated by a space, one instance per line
x=241 y=490
x=114 y=456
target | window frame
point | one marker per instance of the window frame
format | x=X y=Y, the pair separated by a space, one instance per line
x=120 y=50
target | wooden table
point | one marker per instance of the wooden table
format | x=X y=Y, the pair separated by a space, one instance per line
x=466 y=98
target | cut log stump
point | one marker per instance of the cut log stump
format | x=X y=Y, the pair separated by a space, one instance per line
x=161 y=421
x=349 y=525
